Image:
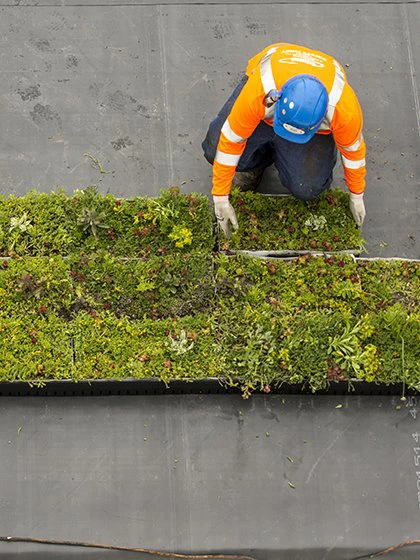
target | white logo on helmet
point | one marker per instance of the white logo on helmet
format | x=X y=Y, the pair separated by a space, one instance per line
x=293 y=129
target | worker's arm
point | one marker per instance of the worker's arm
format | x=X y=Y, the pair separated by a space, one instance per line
x=246 y=114
x=347 y=130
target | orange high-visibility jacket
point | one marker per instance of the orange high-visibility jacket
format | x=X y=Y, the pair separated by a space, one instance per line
x=268 y=71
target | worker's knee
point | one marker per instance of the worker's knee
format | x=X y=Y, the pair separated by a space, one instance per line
x=308 y=191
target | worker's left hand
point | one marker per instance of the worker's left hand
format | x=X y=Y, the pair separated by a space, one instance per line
x=357 y=207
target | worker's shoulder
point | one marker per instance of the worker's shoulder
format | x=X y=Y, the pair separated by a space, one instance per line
x=348 y=112
x=348 y=98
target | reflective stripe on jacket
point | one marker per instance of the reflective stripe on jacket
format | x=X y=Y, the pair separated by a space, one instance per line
x=268 y=71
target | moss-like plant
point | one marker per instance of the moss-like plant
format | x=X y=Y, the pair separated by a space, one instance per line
x=52 y=219
x=108 y=347
x=171 y=285
x=35 y=286
x=34 y=349
x=316 y=348
x=317 y=320
x=269 y=223
x=335 y=282
x=88 y=221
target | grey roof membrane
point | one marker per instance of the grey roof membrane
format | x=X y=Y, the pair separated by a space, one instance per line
x=211 y=473
x=136 y=87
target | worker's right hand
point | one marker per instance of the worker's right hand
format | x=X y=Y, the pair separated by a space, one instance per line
x=225 y=214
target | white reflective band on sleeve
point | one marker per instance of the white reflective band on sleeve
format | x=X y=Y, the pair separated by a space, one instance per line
x=267 y=78
x=230 y=134
x=353 y=164
x=354 y=147
x=266 y=72
x=227 y=159
x=336 y=91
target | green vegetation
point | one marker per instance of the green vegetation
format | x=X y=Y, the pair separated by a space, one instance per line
x=107 y=346
x=269 y=223
x=35 y=348
x=50 y=224
x=317 y=319
x=156 y=287
x=174 y=310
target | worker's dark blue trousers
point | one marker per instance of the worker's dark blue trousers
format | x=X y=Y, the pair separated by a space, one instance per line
x=305 y=169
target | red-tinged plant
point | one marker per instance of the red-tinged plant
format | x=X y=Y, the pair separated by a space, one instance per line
x=271 y=267
x=331 y=199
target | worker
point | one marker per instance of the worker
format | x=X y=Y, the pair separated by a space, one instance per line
x=294 y=108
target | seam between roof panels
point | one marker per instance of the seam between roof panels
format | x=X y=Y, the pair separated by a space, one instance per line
x=407 y=34
x=164 y=73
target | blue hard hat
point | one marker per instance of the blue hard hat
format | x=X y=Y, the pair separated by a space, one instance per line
x=300 y=109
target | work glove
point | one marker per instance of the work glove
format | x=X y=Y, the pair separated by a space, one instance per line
x=225 y=214
x=357 y=207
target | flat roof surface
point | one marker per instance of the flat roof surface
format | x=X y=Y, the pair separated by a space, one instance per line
x=135 y=85
x=211 y=473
